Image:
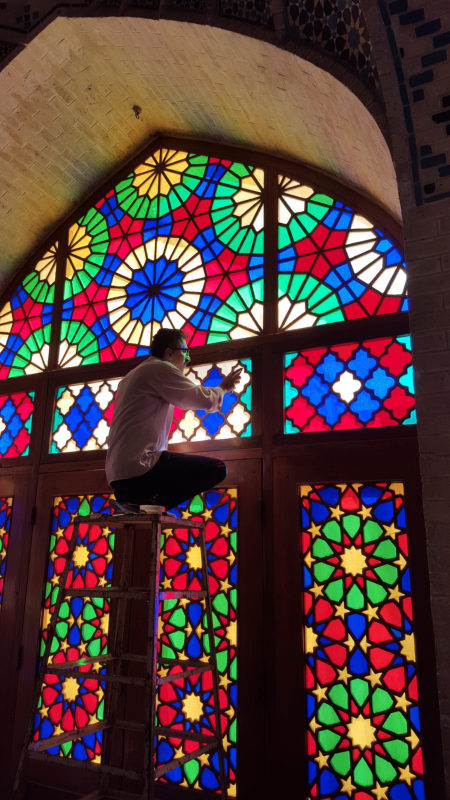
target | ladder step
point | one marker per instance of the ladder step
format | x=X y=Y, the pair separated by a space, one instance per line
x=81 y=662
x=87 y=765
x=194 y=594
x=134 y=593
x=111 y=592
x=176 y=762
x=96 y=675
x=68 y=736
x=194 y=737
x=175 y=676
x=121 y=520
x=195 y=663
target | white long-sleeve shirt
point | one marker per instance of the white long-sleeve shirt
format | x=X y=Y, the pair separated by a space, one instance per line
x=143 y=412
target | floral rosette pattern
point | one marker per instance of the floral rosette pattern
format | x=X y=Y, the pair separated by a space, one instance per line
x=67 y=703
x=25 y=321
x=364 y=732
x=188 y=704
x=5 y=524
x=178 y=243
x=333 y=264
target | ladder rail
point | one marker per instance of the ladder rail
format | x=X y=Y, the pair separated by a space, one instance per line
x=51 y=627
x=213 y=661
x=152 y=662
x=113 y=661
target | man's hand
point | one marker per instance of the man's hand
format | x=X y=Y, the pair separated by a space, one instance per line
x=229 y=381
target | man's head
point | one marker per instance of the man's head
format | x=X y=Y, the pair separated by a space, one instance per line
x=170 y=345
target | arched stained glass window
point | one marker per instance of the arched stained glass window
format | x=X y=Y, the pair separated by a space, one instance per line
x=333 y=264
x=179 y=243
x=25 y=321
x=194 y=241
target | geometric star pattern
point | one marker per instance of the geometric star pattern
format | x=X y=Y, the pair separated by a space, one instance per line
x=83 y=412
x=364 y=732
x=25 y=321
x=178 y=243
x=188 y=705
x=333 y=264
x=81 y=630
x=357 y=385
x=16 y=415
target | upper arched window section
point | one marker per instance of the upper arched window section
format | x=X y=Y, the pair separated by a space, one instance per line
x=181 y=241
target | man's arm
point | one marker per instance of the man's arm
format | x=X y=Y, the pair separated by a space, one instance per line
x=174 y=387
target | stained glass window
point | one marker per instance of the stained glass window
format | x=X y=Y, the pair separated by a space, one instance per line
x=189 y=704
x=82 y=416
x=16 y=414
x=234 y=418
x=178 y=243
x=25 y=321
x=333 y=264
x=67 y=703
x=83 y=411
x=82 y=629
x=357 y=385
x=5 y=524
x=364 y=732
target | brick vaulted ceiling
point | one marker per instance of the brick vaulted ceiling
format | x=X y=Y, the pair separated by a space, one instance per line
x=67 y=121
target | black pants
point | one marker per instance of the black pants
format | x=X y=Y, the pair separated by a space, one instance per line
x=174 y=478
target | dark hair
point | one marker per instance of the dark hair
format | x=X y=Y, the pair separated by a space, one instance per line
x=166 y=337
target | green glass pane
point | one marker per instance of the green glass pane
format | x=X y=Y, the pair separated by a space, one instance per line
x=381 y=701
x=328 y=740
x=326 y=715
x=384 y=770
x=363 y=774
x=351 y=524
x=341 y=763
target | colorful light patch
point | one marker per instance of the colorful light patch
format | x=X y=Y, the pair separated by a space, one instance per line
x=82 y=416
x=189 y=704
x=177 y=243
x=363 y=736
x=16 y=415
x=333 y=264
x=357 y=385
x=25 y=321
x=234 y=417
x=5 y=524
x=67 y=703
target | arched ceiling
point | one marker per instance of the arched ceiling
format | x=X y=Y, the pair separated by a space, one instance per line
x=67 y=120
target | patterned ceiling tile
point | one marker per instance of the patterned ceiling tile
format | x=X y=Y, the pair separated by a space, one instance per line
x=339 y=27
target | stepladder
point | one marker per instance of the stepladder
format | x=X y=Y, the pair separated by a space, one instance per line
x=138 y=739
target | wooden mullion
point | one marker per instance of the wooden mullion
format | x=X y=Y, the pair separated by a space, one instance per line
x=270 y=251
x=61 y=258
